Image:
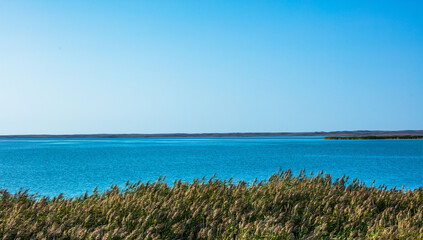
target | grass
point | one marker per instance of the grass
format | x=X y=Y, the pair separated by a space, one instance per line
x=375 y=137
x=282 y=207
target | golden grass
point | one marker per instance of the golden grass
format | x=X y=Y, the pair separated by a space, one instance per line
x=282 y=207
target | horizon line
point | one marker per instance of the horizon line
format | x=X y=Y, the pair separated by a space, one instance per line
x=225 y=134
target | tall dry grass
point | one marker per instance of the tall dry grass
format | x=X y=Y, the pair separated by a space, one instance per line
x=282 y=207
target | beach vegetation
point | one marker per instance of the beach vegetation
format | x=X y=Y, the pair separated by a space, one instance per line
x=284 y=206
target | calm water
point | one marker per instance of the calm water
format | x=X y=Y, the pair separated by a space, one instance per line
x=73 y=166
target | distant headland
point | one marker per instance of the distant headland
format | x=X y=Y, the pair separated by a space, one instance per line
x=356 y=134
x=375 y=137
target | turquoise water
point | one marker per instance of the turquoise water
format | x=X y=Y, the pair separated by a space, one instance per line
x=74 y=166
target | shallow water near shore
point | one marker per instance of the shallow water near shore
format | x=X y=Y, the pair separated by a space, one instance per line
x=74 y=166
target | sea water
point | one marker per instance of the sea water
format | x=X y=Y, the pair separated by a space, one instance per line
x=73 y=166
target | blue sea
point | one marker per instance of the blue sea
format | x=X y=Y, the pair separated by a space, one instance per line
x=73 y=166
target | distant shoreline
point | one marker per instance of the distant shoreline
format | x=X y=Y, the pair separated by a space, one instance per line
x=360 y=133
x=374 y=137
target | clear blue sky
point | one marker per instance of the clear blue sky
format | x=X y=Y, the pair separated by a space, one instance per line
x=210 y=66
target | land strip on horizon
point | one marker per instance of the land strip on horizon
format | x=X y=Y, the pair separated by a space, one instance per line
x=358 y=133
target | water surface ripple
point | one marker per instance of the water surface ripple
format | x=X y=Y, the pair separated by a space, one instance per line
x=74 y=166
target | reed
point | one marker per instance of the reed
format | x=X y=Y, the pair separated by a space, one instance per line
x=284 y=206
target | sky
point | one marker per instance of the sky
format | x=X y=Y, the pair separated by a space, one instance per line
x=72 y=67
